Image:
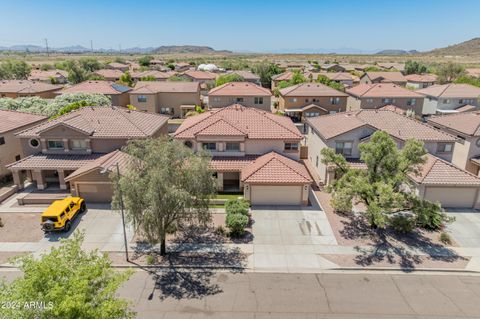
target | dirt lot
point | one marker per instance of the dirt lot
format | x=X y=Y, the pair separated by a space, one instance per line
x=20 y=227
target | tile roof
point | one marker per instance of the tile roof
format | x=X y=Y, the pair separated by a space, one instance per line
x=285 y=76
x=273 y=168
x=149 y=87
x=26 y=86
x=467 y=123
x=40 y=75
x=105 y=122
x=466 y=108
x=54 y=161
x=109 y=73
x=338 y=76
x=118 y=65
x=421 y=78
x=247 y=75
x=106 y=162
x=437 y=171
x=239 y=89
x=11 y=120
x=310 y=89
x=386 y=77
x=451 y=90
x=386 y=65
x=231 y=164
x=96 y=86
x=473 y=72
x=382 y=90
x=200 y=75
x=153 y=73
x=254 y=123
x=385 y=119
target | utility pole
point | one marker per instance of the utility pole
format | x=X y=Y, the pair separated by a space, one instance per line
x=91 y=45
x=46 y=46
x=119 y=48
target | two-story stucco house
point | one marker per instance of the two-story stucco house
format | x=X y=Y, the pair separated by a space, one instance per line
x=174 y=99
x=152 y=74
x=244 y=93
x=311 y=99
x=24 y=88
x=420 y=81
x=394 y=77
x=117 y=93
x=439 y=180
x=253 y=151
x=466 y=126
x=374 y=96
x=11 y=150
x=449 y=98
x=59 y=147
x=49 y=76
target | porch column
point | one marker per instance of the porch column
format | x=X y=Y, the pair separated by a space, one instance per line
x=66 y=147
x=242 y=147
x=220 y=181
x=61 y=179
x=17 y=180
x=38 y=177
x=89 y=146
x=43 y=143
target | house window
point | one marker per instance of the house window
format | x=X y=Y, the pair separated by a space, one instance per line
x=55 y=145
x=312 y=114
x=315 y=100
x=79 y=144
x=232 y=147
x=332 y=112
x=188 y=144
x=445 y=148
x=258 y=100
x=34 y=143
x=446 y=101
x=239 y=100
x=411 y=102
x=216 y=99
x=316 y=161
x=344 y=148
x=209 y=146
x=387 y=100
x=141 y=98
x=293 y=99
x=291 y=146
x=2 y=140
x=334 y=100
x=306 y=100
x=17 y=158
x=369 y=100
x=166 y=110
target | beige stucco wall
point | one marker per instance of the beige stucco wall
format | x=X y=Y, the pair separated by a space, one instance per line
x=260 y=147
x=172 y=100
x=301 y=101
x=223 y=101
x=277 y=194
x=375 y=103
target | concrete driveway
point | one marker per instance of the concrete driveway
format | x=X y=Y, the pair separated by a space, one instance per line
x=286 y=238
x=466 y=227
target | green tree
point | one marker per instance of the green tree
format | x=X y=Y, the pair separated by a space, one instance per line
x=148 y=78
x=14 y=70
x=265 y=71
x=76 y=74
x=90 y=64
x=325 y=80
x=414 y=67
x=96 y=77
x=165 y=187
x=468 y=80
x=46 y=67
x=145 y=60
x=126 y=79
x=71 y=282
x=179 y=78
x=449 y=72
x=384 y=187
x=227 y=78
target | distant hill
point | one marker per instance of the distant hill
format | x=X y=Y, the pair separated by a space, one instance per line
x=397 y=52
x=470 y=47
x=186 y=49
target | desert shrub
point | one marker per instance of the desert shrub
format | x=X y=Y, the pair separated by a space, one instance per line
x=236 y=223
x=445 y=238
x=220 y=231
x=430 y=215
x=402 y=223
x=237 y=206
x=150 y=260
x=342 y=202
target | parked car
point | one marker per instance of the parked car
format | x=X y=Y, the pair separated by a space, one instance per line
x=61 y=213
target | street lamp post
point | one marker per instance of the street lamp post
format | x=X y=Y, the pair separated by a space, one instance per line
x=122 y=211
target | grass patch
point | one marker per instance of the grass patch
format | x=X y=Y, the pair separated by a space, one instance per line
x=229 y=196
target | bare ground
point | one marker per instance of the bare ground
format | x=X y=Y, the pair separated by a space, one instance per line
x=20 y=227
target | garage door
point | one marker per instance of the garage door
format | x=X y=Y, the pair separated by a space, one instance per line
x=452 y=197
x=95 y=193
x=276 y=195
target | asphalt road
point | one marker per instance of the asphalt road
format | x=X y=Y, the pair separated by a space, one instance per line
x=264 y=295
x=205 y=294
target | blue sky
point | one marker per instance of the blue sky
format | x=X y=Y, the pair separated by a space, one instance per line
x=241 y=25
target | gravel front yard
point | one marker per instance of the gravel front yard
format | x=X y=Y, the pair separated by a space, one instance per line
x=20 y=227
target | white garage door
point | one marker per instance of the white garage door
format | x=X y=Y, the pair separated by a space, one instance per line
x=95 y=193
x=452 y=197
x=276 y=195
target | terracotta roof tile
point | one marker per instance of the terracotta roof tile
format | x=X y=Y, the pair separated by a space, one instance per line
x=109 y=73
x=54 y=161
x=153 y=73
x=285 y=76
x=247 y=75
x=310 y=89
x=466 y=123
x=26 y=86
x=149 y=87
x=200 y=75
x=387 y=90
x=395 y=124
x=101 y=87
x=256 y=124
x=13 y=120
x=386 y=77
x=273 y=168
x=231 y=164
x=40 y=75
x=451 y=90
x=421 y=78
x=239 y=89
x=105 y=122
